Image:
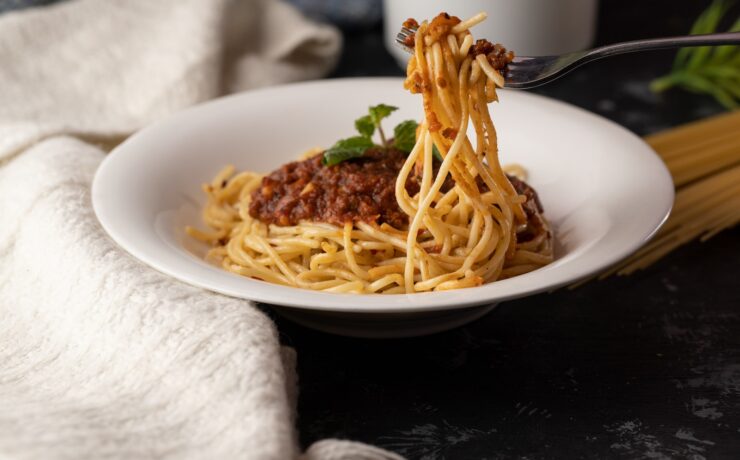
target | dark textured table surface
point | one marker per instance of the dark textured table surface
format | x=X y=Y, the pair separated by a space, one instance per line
x=645 y=366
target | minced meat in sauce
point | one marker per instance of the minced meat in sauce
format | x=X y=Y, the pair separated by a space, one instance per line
x=532 y=208
x=361 y=189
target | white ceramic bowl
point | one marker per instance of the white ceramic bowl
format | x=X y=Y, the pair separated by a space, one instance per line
x=603 y=189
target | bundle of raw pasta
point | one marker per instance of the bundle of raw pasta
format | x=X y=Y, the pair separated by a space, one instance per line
x=704 y=160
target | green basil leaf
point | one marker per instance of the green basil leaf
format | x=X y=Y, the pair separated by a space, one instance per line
x=345 y=149
x=404 y=135
x=379 y=112
x=436 y=154
x=365 y=126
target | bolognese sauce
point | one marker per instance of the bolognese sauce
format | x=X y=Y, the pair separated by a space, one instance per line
x=361 y=189
x=357 y=190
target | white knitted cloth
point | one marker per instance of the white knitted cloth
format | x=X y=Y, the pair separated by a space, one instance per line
x=100 y=356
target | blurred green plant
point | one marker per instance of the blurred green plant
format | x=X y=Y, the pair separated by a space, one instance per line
x=706 y=69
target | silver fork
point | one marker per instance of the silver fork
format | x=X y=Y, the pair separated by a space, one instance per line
x=530 y=71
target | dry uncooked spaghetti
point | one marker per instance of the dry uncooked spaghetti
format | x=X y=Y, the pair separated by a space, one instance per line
x=704 y=160
x=466 y=223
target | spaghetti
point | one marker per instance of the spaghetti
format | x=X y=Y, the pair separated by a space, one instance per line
x=704 y=160
x=465 y=222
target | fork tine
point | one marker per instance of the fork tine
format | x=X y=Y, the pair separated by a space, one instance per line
x=401 y=37
x=400 y=44
x=521 y=60
x=519 y=64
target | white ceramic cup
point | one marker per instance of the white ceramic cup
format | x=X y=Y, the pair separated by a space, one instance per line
x=527 y=27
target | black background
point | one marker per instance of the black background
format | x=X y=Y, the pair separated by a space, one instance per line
x=645 y=366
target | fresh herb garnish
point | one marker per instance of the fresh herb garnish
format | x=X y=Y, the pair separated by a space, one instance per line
x=365 y=126
x=404 y=138
x=706 y=69
x=354 y=147
x=404 y=135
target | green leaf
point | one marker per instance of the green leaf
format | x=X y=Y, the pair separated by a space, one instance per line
x=404 y=135
x=698 y=57
x=694 y=82
x=379 y=112
x=732 y=86
x=345 y=149
x=710 y=70
x=724 y=97
x=711 y=19
x=436 y=154
x=723 y=53
x=699 y=84
x=720 y=71
x=663 y=83
x=365 y=126
x=706 y=23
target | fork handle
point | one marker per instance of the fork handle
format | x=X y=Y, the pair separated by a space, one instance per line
x=728 y=38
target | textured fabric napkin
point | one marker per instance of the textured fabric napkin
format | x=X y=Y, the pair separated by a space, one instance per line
x=100 y=356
